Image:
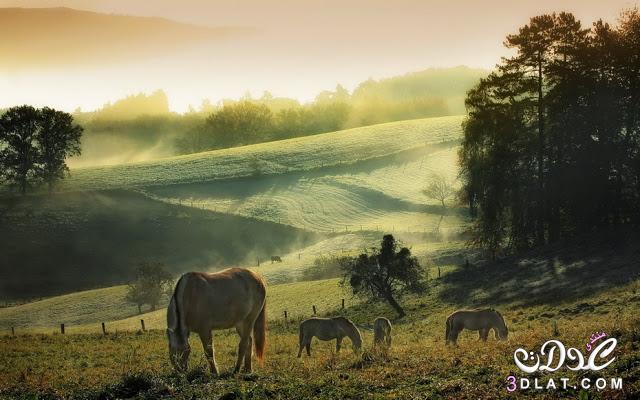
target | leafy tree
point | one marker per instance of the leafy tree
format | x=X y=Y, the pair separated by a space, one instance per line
x=34 y=144
x=58 y=138
x=18 y=145
x=152 y=282
x=238 y=124
x=386 y=273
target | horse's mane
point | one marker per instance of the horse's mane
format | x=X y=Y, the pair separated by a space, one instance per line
x=175 y=303
x=501 y=317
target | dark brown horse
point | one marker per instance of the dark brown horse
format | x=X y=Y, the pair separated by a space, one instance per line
x=202 y=302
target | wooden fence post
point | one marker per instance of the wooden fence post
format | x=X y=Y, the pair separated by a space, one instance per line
x=314 y=309
x=13 y=331
x=62 y=328
x=142 y=324
x=285 y=316
x=343 y=304
x=104 y=329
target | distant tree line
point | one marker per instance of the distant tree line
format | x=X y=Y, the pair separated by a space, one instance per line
x=244 y=122
x=34 y=144
x=144 y=122
x=552 y=140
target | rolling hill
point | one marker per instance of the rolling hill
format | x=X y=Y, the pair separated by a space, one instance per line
x=307 y=153
x=302 y=198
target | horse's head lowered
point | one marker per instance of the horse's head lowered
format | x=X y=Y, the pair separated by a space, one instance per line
x=178 y=349
x=502 y=332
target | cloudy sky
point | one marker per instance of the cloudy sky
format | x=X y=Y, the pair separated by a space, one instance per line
x=291 y=47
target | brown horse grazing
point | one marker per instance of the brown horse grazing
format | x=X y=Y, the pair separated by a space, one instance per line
x=203 y=302
x=476 y=320
x=382 y=332
x=328 y=329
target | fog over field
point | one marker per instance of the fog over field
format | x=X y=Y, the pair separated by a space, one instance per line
x=293 y=48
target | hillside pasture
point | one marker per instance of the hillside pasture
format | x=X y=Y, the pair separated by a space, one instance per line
x=128 y=364
x=299 y=154
x=385 y=195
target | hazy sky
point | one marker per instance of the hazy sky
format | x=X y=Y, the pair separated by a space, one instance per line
x=299 y=47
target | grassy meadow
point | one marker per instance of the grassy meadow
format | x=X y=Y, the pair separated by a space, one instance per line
x=133 y=364
x=320 y=196
x=298 y=154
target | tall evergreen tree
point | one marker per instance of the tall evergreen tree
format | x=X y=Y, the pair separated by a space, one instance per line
x=551 y=141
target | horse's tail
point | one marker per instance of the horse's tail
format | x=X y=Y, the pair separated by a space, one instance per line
x=301 y=334
x=260 y=332
x=448 y=329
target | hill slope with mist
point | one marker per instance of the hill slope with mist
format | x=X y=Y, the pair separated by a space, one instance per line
x=301 y=198
x=73 y=241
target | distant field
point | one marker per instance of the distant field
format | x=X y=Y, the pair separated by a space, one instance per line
x=298 y=154
x=83 y=312
x=384 y=195
x=333 y=193
x=83 y=240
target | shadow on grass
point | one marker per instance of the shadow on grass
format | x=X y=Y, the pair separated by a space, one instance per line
x=551 y=275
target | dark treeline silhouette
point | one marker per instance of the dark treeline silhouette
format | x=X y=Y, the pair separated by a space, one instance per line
x=551 y=142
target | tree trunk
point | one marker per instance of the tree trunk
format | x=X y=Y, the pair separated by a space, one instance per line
x=541 y=208
x=395 y=305
x=139 y=309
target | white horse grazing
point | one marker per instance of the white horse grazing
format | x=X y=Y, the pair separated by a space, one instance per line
x=476 y=320
x=328 y=329
x=202 y=302
x=382 y=332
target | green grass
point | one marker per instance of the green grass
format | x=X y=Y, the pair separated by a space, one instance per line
x=419 y=365
x=284 y=156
